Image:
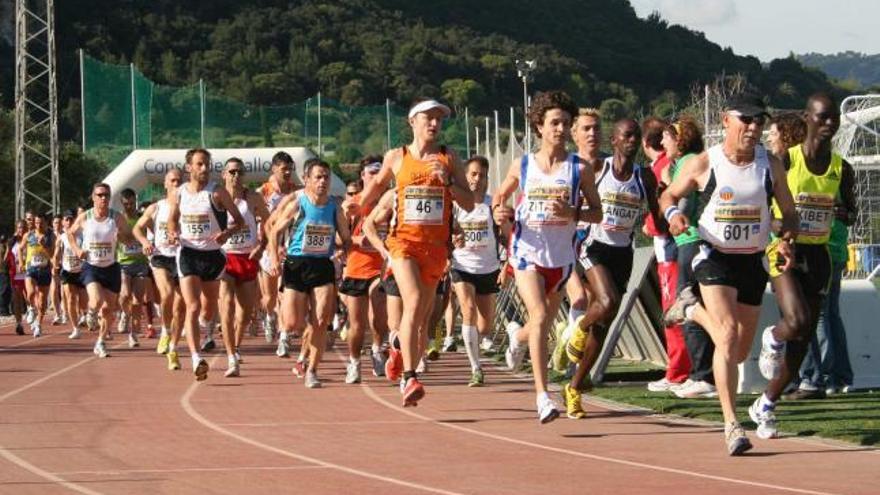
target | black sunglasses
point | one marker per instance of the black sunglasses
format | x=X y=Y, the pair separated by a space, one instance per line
x=350 y=193
x=235 y=171
x=747 y=120
x=102 y=195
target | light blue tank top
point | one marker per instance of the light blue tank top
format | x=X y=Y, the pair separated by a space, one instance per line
x=314 y=230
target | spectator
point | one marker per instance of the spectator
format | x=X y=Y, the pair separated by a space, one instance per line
x=7 y=271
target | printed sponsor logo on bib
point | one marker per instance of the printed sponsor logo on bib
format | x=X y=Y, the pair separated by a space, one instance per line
x=317 y=238
x=620 y=210
x=423 y=205
x=816 y=214
x=538 y=199
x=100 y=252
x=738 y=226
x=476 y=234
x=196 y=226
x=162 y=234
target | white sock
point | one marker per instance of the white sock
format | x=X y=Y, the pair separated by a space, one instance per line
x=689 y=312
x=471 y=345
x=231 y=361
x=195 y=359
x=770 y=339
x=766 y=404
x=283 y=335
x=574 y=314
x=164 y=331
x=172 y=347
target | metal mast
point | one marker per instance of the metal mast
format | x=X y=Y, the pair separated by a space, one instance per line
x=36 y=108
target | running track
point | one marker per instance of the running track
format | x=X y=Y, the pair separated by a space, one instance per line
x=74 y=424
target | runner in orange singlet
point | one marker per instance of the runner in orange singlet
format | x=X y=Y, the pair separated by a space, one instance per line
x=427 y=177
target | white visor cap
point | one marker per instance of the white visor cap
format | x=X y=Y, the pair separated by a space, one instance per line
x=426 y=105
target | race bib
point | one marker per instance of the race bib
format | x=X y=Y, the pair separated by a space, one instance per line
x=100 y=253
x=39 y=261
x=161 y=234
x=738 y=226
x=73 y=263
x=815 y=214
x=537 y=201
x=241 y=239
x=423 y=205
x=620 y=211
x=196 y=227
x=476 y=235
x=317 y=238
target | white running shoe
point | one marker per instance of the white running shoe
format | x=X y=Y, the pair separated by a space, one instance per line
x=353 y=373
x=312 y=380
x=37 y=330
x=662 y=385
x=74 y=334
x=765 y=419
x=696 y=389
x=100 y=350
x=772 y=357
x=423 y=365
x=232 y=369
x=92 y=321
x=737 y=441
x=122 y=326
x=82 y=321
x=547 y=410
x=283 y=349
x=515 y=352
x=57 y=320
x=133 y=341
x=30 y=316
x=449 y=344
x=268 y=329
x=486 y=344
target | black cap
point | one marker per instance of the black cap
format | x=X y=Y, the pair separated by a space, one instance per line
x=69 y=213
x=747 y=104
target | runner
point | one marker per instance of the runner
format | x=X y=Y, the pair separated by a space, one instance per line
x=135 y=274
x=19 y=299
x=163 y=262
x=238 y=288
x=37 y=265
x=100 y=228
x=198 y=222
x=55 y=292
x=816 y=177
x=427 y=178
x=361 y=284
x=737 y=180
x=281 y=183
x=625 y=189
x=309 y=274
x=475 y=265
x=542 y=252
x=71 y=276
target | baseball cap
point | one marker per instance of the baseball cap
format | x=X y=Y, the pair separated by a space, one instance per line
x=746 y=104
x=69 y=213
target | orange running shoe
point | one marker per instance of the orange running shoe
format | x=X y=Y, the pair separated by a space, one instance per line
x=394 y=364
x=413 y=393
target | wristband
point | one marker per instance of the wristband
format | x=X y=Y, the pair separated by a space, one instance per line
x=671 y=212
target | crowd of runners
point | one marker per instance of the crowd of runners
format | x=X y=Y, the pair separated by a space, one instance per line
x=418 y=235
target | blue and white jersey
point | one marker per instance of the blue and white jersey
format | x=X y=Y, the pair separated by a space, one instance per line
x=623 y=203
x=540 y=238
x=314 y=230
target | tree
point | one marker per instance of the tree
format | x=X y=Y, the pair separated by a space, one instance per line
x=462 y=93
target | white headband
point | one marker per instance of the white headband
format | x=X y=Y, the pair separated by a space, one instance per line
x=426 y=105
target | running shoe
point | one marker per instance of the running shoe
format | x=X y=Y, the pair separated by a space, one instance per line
x=269 y=329
x=312 y=380
x=423 y=366
x=696 y=389
x=573 y=407
x=238 y=358
x=150 y=331
x=662 y=385
x=449 y=344
x=433 y=354
x=737 y=441
x=74 y=334
x=394 y=364
x=201 y=370
x=765 y=418
x=209 y=345
x=477 y=379
x=92 y=321
x=122 y=326
x=413 y=392
x=57 y=321
x=547 y=411
x=299 y=369
x=37 y=330
x=30 y=315
x=283 y=350
x=486 y=344
x=353 y=373
x=378 y=359
x=162 y=346
x=515 y=352
x=82 y=321
x=677 y=313
x=232 y=370
x=100 y=350
x=575 y=345
x=173 y=361
x=772 y=357
x=559 y=358
x=133 y=341
x=19 y=329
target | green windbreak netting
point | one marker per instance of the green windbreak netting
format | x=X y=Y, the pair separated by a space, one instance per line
x=123 y=110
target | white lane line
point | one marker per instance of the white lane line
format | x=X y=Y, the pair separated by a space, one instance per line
x=324 y=423
x=45 y=378
x=125 y=472
x=187 y=407
x=373 y=395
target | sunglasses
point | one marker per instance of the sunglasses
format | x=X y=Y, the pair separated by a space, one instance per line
x=350 y=193
x=235 y=171
x=747 y=120
x=102 y=195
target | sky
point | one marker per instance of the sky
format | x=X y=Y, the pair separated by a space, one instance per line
x=771 y=29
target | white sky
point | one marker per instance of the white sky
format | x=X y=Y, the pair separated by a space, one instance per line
x=771 y=29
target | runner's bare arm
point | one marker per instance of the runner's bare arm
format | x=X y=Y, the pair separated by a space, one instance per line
x=71 y=235
x=283 y=217
x=691 y=177
x=591 y=195
x=380 y=183
x=56 y=255
x=380 y=214
x=650 y=182
x=173 y=223
x=342 y=229
x=139 y=230
x=461 y=193
x=850 y=209
x=782 y=194
x=502 y=213
x=224 y=199
x=123 y=230
x=261 y=212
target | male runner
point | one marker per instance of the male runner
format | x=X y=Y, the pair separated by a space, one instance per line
x=135 y=272
x=71 y=276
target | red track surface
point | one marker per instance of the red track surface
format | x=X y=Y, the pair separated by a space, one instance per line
x=74 y=423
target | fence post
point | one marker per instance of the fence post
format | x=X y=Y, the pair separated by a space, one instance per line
x=134 y=127
x=320 y=149
x=82 y=97
x=202 y=108
x=467 y=133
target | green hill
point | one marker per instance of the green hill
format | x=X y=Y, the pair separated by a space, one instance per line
x=854 y=68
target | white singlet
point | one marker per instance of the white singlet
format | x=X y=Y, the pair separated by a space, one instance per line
x=480 y=252
x=737 y=215
x=623 y=202
x=99 y=239
x=198 y=220
x=160 y=230
x=69 y=261
x=242 y=241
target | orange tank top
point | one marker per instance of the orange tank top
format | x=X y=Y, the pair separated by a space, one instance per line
x=422 y=203
x=364 y=262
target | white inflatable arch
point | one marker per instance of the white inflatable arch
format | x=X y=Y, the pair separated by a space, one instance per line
x=144 y=167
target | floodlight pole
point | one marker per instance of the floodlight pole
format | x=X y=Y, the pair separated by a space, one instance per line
x=524 y=70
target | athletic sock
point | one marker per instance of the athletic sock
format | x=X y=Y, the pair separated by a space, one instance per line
x=766 y=404
x=172 y=347
x=770 y=339
x=376 y=348
x=205 y=330
x=164 y=331
x=471 y=345
x=574 y=314
x=354 y=360
x=195 y=359
x=283 y=336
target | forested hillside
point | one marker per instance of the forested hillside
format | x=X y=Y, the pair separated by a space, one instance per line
x=851 y=68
